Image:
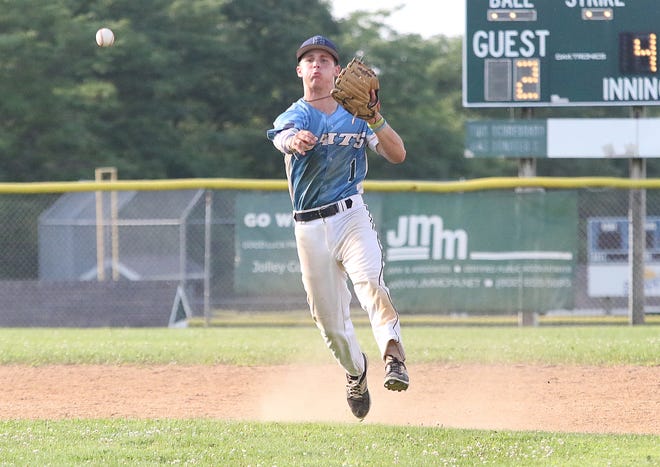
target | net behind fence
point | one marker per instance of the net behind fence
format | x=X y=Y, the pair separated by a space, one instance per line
x=126 y=254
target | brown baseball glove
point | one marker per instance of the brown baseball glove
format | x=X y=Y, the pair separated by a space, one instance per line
x=353 y=90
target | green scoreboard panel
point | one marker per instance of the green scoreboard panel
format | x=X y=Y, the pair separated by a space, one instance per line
x=543 y=53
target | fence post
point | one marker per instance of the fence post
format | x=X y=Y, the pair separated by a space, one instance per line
x=527 y=169
x=208 y=212
x=103 y=174
x=636 y=234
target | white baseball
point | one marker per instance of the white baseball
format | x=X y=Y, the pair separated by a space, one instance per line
x=105 y=37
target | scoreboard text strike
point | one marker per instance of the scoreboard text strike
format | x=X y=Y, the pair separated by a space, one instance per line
x=533 y=53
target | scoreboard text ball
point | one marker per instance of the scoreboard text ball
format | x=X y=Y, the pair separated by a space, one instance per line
x=526 y=53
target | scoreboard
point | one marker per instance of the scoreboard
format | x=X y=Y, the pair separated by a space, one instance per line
x=544 y=53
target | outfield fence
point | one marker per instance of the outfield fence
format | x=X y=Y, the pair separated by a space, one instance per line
x=141 y=253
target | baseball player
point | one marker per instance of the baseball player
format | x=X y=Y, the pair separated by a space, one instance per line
x=325 y=158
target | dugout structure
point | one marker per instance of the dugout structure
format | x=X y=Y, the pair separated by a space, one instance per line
x=157 y=236
x=152 y=236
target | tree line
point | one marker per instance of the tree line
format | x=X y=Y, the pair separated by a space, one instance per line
x=190 y=88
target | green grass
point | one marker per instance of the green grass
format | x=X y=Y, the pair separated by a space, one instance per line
x=269 y=345
x=220 y=443
x=216 y=442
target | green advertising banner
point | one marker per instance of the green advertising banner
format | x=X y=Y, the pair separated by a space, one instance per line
x=483 y=251
x=509 y=138
x=461 y=252
x=266 y=256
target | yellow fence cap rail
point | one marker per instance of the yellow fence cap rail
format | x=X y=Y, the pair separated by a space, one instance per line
x=492 y=183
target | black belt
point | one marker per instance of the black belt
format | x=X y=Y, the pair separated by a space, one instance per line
x=322 y=213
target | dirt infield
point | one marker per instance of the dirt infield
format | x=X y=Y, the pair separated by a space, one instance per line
x=521 y=397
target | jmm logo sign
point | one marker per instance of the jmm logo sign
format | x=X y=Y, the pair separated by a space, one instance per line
x=423 y=238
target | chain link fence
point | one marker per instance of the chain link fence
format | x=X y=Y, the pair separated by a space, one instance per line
x=152 y=254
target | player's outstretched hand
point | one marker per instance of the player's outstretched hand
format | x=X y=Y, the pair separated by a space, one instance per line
x=302 y=142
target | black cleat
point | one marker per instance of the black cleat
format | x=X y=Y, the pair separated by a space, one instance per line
x=357 y=393
x=396 y=375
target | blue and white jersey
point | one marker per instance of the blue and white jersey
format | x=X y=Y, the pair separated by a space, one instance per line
x=336 y=167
